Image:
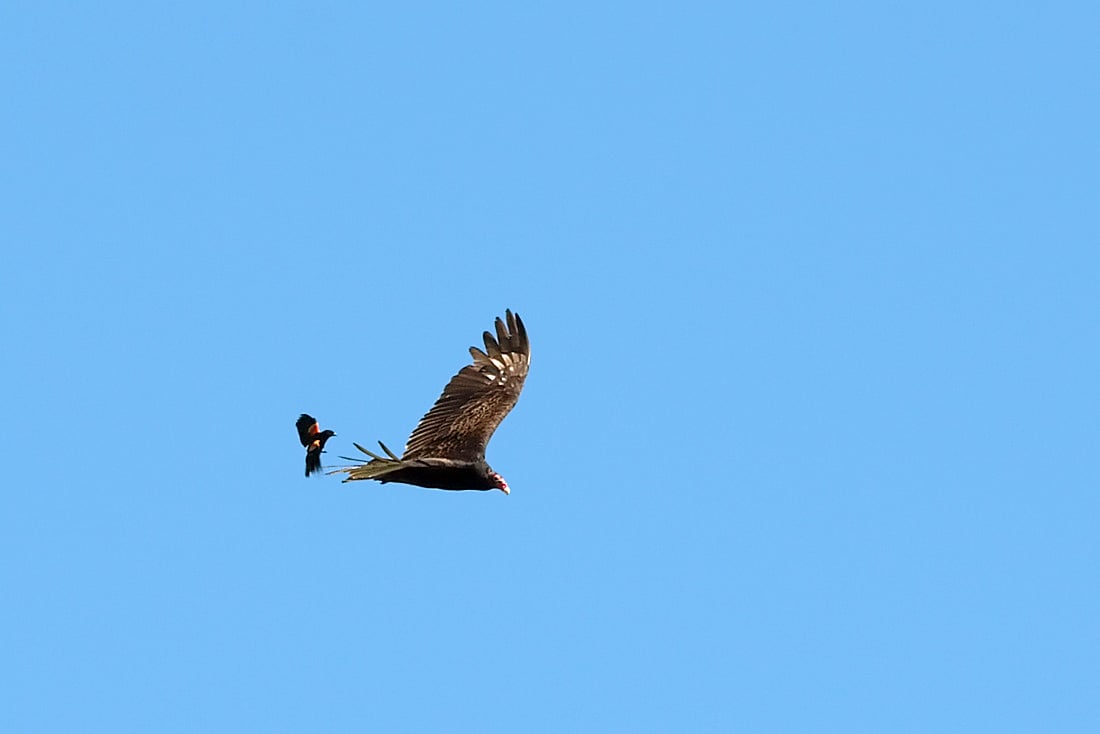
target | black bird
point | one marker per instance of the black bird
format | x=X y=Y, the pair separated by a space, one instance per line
x=313 y=438
x=447 y=448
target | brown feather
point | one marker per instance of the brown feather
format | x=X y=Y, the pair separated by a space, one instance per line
x=476 y=399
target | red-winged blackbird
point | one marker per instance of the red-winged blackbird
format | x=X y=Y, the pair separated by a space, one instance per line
x=447 y=449
x=313 y=439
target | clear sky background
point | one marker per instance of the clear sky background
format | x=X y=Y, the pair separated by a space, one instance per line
x=809 y=440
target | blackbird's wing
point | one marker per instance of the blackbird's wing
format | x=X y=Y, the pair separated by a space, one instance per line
x=307 y=428
x=477 y=399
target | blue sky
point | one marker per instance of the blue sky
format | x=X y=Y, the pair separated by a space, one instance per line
x=809 y=441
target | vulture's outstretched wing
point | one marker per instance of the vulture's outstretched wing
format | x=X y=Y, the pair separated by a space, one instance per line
x=476 y=400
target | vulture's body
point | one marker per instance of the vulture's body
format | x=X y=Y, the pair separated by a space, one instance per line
x=447 y=448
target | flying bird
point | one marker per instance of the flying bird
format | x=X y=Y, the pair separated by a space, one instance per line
x=313 y=438
x=447 y=448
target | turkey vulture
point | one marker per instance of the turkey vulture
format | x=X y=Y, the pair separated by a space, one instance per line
x=313 y=438
x=447 y=448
